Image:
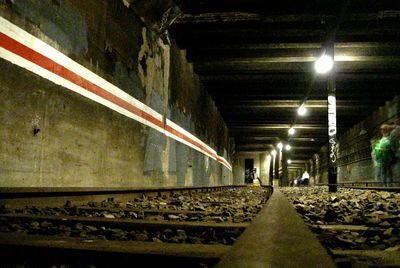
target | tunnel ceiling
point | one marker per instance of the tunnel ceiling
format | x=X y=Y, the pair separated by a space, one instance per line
x=255 y=58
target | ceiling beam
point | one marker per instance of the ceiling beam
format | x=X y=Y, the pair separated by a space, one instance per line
x=294 y=46
x=224 y=17
x=300 y=65
x=217 y=17
x=294 y=161
x=289 y=55
x=311 y=7
x=302 y=156
x=255 y=151
x=279 y=126
x=304 y=148
x=265 y=77
x=258 y=138
x=300 y=59
x=223 y=33
x=345 y=119
x=307 y=139
x=294 y=103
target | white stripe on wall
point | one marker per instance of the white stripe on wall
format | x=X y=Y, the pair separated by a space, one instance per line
x=59 y=58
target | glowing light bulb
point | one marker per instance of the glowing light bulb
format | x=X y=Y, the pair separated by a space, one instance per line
x=273 y=152
x=324 y=64
x=288 y=147
x=289 y=161
x=291 y=131
x=280 y=145
x=302 y=110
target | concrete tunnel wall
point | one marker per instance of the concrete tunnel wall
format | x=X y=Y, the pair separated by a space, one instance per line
x=53 y=137
x=261 y=163
x=354 y=149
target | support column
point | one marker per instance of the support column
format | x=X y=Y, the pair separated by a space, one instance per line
x=312 y=170
x=265 y=160
x=271 y=169
x=317 y=168
x=277 y=165
x=284 y=164
x=332 y=129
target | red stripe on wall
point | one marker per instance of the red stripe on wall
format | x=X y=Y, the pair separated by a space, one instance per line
x=52 y=66
x=186 y=138
x=31 y=55
x=222 y=161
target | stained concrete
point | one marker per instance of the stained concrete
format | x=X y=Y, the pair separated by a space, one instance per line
x=155 y=142
x=226 y=175
x=239 y=168
x=74 y=147
x=58 y=20
x=54 y=137
x=265 y=164
x=359 y=171
x=128 y=81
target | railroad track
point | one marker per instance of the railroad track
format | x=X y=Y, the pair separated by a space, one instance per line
x=184 y=227
x=196 y=228
x=368 y=185
x=374 y=188
x=359 y=227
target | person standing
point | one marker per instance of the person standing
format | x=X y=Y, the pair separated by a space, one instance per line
x=377 y=169
x=384 y=154
x=305 y=178
x=394 y=138
x=297 y=181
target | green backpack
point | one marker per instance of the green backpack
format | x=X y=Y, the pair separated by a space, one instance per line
x=383 y=152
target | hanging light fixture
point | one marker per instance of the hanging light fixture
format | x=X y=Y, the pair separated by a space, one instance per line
x=324 y=64
x=302 y=110
x=280 y=146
